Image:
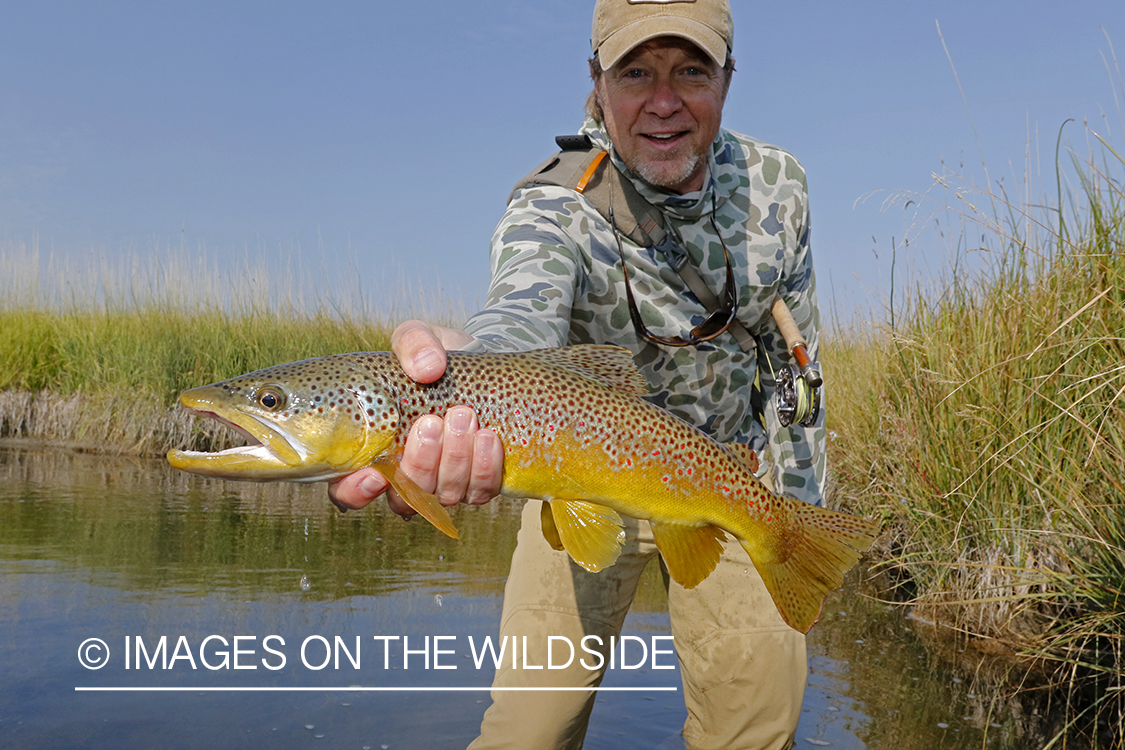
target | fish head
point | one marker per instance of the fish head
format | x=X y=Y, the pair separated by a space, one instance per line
x=309 y=421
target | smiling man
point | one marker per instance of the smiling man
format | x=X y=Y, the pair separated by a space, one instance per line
x=665 y=100
x=566 y=271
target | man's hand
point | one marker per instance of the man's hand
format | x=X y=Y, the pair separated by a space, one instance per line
x=453 y=458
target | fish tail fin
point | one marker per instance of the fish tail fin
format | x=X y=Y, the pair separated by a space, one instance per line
x=810 y=559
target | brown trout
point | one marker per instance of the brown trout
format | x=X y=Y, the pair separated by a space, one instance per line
x=575 y=432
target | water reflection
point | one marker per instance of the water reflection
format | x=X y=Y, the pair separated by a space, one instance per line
x=122 y=549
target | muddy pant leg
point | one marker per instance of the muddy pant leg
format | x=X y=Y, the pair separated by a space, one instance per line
x=744 y=669
x=547 y=595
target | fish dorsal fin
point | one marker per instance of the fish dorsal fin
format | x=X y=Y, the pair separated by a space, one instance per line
x=689 y=552
x=591 y=534
x=417 y=498
x=611 y=366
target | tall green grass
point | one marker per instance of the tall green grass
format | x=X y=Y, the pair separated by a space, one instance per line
x=988 y=429
x=94 y=352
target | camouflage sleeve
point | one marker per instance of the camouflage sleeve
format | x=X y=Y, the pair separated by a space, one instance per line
x=536 y=274
x=799 y=453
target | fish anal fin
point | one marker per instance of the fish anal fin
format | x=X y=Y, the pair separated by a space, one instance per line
x=689 y=552
x=426 y=504
x=812 y=556
x=591 y=534
x=550 y=531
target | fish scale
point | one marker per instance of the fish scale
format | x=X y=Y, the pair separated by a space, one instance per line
x=575 y=432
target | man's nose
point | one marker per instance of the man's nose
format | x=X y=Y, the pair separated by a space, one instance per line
x=664 y=100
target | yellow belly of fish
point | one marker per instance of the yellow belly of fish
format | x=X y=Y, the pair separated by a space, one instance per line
x=570 y=470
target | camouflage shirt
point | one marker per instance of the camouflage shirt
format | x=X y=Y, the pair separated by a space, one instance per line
x=556 y=280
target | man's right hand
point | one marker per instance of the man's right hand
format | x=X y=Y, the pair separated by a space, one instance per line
x=453 y=457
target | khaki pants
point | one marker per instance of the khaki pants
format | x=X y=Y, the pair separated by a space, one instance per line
x=743 y=668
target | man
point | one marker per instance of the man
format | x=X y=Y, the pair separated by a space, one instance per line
x=661 y=73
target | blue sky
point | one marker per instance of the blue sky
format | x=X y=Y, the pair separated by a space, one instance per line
x=379 y=140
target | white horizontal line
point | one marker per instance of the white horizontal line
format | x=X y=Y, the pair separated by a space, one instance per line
x=362 y=689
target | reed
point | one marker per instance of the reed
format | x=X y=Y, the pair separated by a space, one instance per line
x=987 y=429
x=93 y=352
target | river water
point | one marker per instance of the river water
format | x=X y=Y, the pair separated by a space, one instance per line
x=130 y=552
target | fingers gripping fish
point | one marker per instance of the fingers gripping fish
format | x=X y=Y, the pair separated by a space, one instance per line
x=575 y=433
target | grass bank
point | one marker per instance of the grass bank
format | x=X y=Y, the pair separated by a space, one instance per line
x=987 y=429
x=94 y=355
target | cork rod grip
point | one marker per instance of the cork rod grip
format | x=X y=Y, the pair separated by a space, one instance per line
x=795 y=342
x=787 y=325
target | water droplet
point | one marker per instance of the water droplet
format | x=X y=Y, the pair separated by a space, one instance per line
x=437 y=599
x=310 y=726
x=306 y=584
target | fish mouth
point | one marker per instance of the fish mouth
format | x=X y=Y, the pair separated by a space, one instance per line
x=269 y=449
x=254 y=446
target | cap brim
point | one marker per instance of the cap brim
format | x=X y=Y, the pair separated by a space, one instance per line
x=625 y=39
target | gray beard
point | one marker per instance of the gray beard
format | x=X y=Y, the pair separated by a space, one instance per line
x=654 y=175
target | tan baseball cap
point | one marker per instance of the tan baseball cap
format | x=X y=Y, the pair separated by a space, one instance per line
x=620 y=25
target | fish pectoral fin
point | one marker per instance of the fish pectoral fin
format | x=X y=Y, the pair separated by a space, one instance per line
x=591 y=534
x=550 y=531
x=417 y=498
x=690 y=552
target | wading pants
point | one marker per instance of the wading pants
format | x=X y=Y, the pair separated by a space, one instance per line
x=743 y=668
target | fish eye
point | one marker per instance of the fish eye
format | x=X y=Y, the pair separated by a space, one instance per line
x=271 y=398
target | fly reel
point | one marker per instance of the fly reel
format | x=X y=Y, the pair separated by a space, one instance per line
x=797 y=401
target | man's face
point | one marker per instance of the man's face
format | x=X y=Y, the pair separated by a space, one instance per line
x=663 y=104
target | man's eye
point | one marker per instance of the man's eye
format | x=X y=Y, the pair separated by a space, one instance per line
x=634 y=73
